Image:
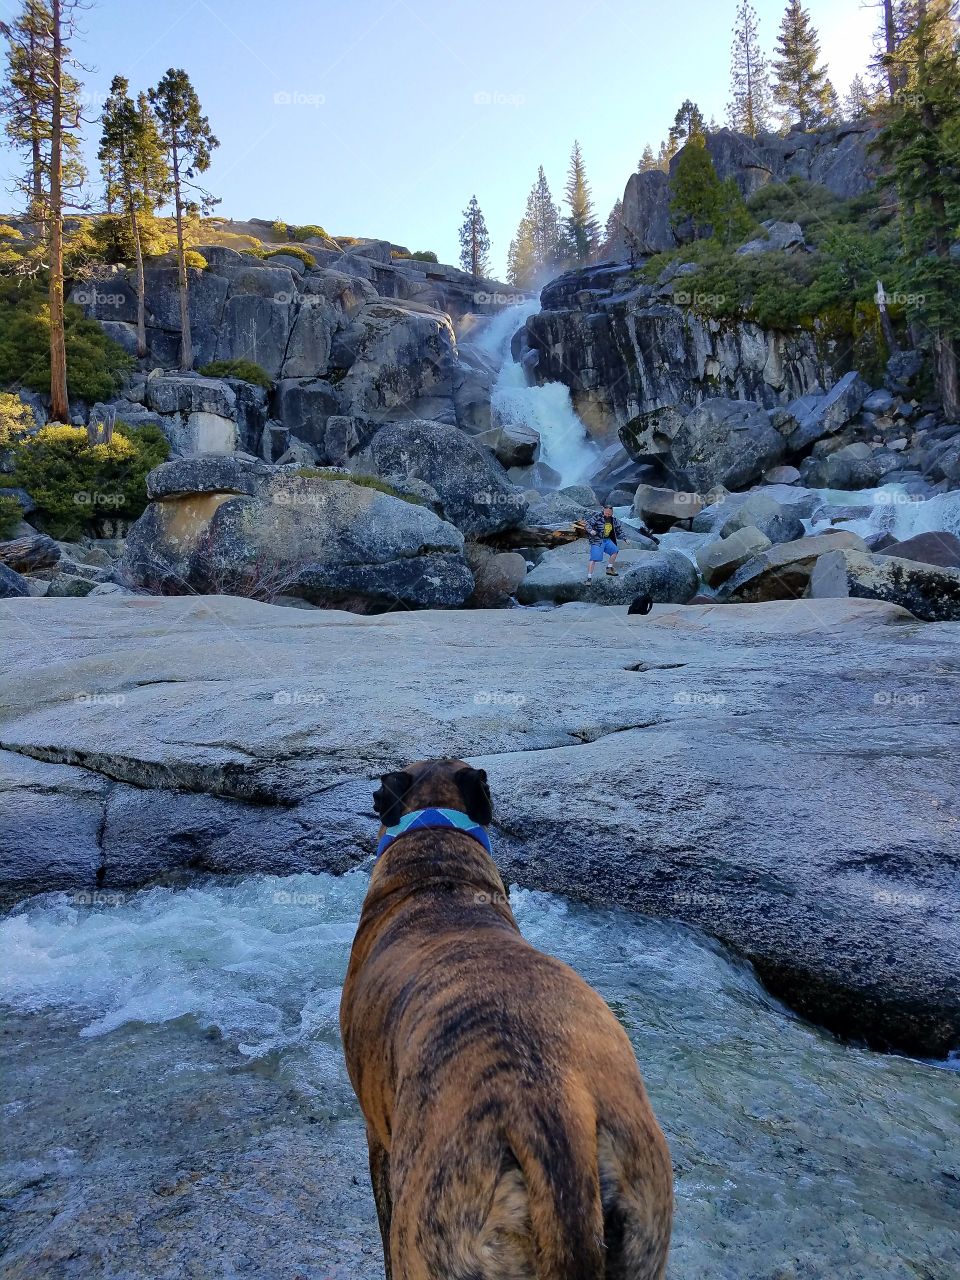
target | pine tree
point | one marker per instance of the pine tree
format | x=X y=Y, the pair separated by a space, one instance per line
x=521 y=259
x=922 y=141
x=582 y=227
x=749 y=108
x=612 y=229
x=40 y=103
x=188 y=141
x=664 y=156
x=687 y=122
x=134 y=166
x=544 y=219
x=474 y=241
x=697 y=194
x=648 y=160
x=857 y=102
x=800 y=88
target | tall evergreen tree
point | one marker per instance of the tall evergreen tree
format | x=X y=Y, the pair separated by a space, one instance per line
x=800 y=86
x=648 y=160
x=749 y=108
x=134 y=165
x=687 y=122
x=856 y=104
x=544 y=218
x=188 y=141
x=612 y=228
x=474 y=241
x=922 y=141
x=521 y=259
x=40 y=102
x=713 y=207
x=583 y=229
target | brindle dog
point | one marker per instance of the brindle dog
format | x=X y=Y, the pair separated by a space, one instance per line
x=510 y=1134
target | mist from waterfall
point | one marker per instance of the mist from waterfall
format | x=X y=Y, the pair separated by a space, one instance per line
x=564 y=443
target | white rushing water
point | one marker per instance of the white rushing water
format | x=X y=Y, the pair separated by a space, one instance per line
x=564 y=443
x=787 y=1144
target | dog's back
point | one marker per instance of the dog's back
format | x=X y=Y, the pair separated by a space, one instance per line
x=520 y=1141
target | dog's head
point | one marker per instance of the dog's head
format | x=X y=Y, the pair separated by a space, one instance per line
x=434 y=784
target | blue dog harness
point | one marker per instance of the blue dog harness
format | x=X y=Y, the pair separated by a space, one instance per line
x=424 y=819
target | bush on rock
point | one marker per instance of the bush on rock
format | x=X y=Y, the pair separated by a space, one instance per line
x=245 y=370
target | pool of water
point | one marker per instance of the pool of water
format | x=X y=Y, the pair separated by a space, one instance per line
x=176 y=1101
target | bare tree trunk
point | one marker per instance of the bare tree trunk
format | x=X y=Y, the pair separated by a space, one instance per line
x=186 y=345
x=59 y=402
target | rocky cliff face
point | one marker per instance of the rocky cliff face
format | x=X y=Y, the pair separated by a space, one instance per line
x=361 y=334
x=628 y=350
x=838 y=159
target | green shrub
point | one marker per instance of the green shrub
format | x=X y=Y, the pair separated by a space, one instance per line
x=307 y=231
x=75 y=483
x=95 y=363
x=245 y=370
x=16 y=419
x=424 y=255
x=193 y=258
x=11 y=513
x=293 y=251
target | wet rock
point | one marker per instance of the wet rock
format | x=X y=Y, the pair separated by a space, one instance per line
x=829 y=414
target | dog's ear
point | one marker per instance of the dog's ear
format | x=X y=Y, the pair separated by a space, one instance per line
x=389 y=799
x=475 y=791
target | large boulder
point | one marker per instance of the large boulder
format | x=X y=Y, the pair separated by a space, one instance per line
x=777 y=522
x=646 y=223
x=721 y=559
x=728 y=442
x=819 y=416
x=560 y=578
x=12 y=584
x=942 y=549
x=257 y=328
x=308 y=350
x=854 y=466
x=265 y=532
x=474 y=491
x=304 y=406
x=661 y=509
x=930 y=592
x=396 y=358
x=184 y=393
x=783 y=572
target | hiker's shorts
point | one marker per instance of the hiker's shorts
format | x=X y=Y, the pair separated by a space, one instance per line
x=599 y=549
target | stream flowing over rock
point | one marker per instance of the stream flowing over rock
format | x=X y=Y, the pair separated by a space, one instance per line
x=783 y=776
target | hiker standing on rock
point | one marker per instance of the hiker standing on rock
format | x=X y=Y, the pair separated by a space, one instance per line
x=604 y=531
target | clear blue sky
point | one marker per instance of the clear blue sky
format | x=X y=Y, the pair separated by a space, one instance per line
x=383 y=117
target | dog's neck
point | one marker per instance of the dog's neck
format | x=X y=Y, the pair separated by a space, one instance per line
x=427 y=819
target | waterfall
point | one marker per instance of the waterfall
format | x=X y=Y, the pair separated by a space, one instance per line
x=564 y=443
x=892 y=510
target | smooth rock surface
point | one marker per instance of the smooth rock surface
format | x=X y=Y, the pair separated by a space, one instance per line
x=764 y=772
